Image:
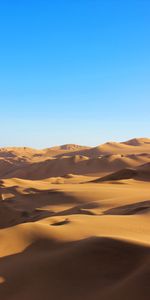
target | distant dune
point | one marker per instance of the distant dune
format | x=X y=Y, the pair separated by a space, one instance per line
x=80 y=160
x=138 y=142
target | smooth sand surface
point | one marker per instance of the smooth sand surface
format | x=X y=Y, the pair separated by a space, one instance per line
x=79 y=233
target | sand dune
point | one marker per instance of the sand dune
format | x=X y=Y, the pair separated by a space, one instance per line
x=75 y=159
x=138 y=142
x=27 y=153
x=141 y=173
x=80 y=270
x=62 y=239
x=78 y=164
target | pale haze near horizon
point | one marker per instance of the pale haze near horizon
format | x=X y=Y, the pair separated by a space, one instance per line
x=74 y=72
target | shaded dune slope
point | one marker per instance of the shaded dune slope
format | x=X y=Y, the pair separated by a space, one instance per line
x=93 y=268
x=141 y=173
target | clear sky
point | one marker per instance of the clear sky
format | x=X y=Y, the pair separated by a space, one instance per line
x=74 y=71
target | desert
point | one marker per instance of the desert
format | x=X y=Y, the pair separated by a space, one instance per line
x=75 y=150
x=75 y=222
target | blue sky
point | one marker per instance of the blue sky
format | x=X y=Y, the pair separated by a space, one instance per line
x=74 y=71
